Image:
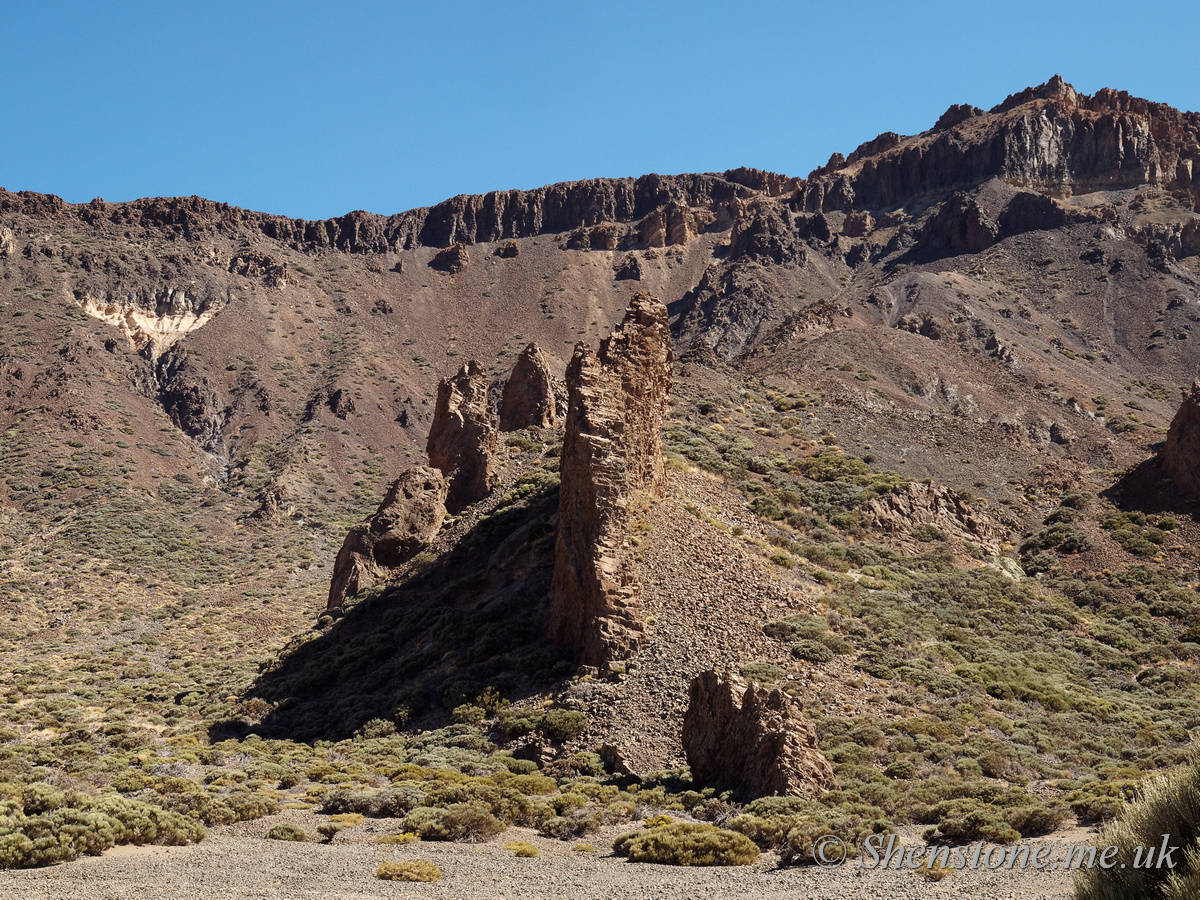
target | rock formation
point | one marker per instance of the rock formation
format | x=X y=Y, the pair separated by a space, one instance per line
x=408 y=518
x=462 y=438
x=528 y=399
x=453 y=259
x=613 y=448
x=741 y=738
x=1181 y=450
x=906 y=506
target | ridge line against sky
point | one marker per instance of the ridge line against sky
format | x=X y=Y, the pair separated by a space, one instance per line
x=312 y=110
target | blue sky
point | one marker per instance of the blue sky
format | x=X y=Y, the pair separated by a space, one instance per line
x=315 y=109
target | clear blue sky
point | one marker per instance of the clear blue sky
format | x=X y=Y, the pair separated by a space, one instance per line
x=315 y=109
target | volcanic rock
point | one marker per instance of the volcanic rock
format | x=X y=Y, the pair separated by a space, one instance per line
x=612 y=450
x=528 y=399
x=629 y=269
x=907 y=506
x=740 y=738
x=1181 y=450
x=462 y=438
x=409 y=517
x=453 y=259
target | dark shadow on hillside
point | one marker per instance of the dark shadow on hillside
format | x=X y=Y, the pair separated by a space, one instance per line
x=472 y=619
x=1147 y=488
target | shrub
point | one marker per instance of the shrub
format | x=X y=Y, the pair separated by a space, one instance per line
x=396 y=839
x=812 y=651
x=522 y=848
x=927 y=534
x=469 y=822
x=468 y=714
x=414 y=870
x=584 y=848
x=533 y=785
x=1167 y=806
x=328 y=830
x=685 y=844
x=562 y=725
x=762 y=672
x=286 y=831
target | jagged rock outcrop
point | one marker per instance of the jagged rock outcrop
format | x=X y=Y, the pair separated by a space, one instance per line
x=528 y=399
x=8 y=243
x=630 y=269
x=453 y=259
x=907 y=506
x=1181 y=450
x=617 y=400
x=462 y=437
x=408 y=519
x=1045 y=138
x=742 y=738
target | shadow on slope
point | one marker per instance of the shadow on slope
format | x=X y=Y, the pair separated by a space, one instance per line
x=448 y=629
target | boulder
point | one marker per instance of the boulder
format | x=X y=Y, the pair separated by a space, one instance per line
x=528 y=399
x=617 y=400
x=751 y=741
x=409 y=517
x=1181 y=450
x=462 y=438
x=453 y=259
x=629 y=269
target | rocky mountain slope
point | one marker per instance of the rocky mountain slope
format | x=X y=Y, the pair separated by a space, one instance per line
x=884 y=436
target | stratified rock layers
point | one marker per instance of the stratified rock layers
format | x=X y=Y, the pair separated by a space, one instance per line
x=756 y=743
x=612 y=449
x=462 y=438
x=1181 y=450
x=408 y=518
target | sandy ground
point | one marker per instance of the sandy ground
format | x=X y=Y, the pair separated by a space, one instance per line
x=237 y=862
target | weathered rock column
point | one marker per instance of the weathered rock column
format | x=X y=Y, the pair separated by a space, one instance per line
x=1181 y=450
x=528 y=399
x=741 y=738
x=409 y=517
x=617 y=400
x=462 y=437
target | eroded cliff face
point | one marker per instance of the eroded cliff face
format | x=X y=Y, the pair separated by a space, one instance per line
x=462 y=438
x=617 y=400
x=528 y=398
x=754 y=742
x=1181 y=450
x=1046 y=138
x=409 y=517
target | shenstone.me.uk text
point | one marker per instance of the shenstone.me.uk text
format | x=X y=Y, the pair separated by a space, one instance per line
x=883 y=852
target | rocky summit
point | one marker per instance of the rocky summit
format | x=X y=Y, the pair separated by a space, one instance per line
x=780 y=506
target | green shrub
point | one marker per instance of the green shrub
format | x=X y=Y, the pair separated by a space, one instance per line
x=562 y=725
x=522 y=848
x=1168 y=805
x=413 y=870
x=927 y=534
x=684 y=844
x=762 y=672
x=812 y=651
x=286 y=831
x=468 y=714
x=469 y=822
x=533 y=785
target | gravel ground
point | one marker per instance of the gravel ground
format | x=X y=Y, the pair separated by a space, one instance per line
x=237 y=862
